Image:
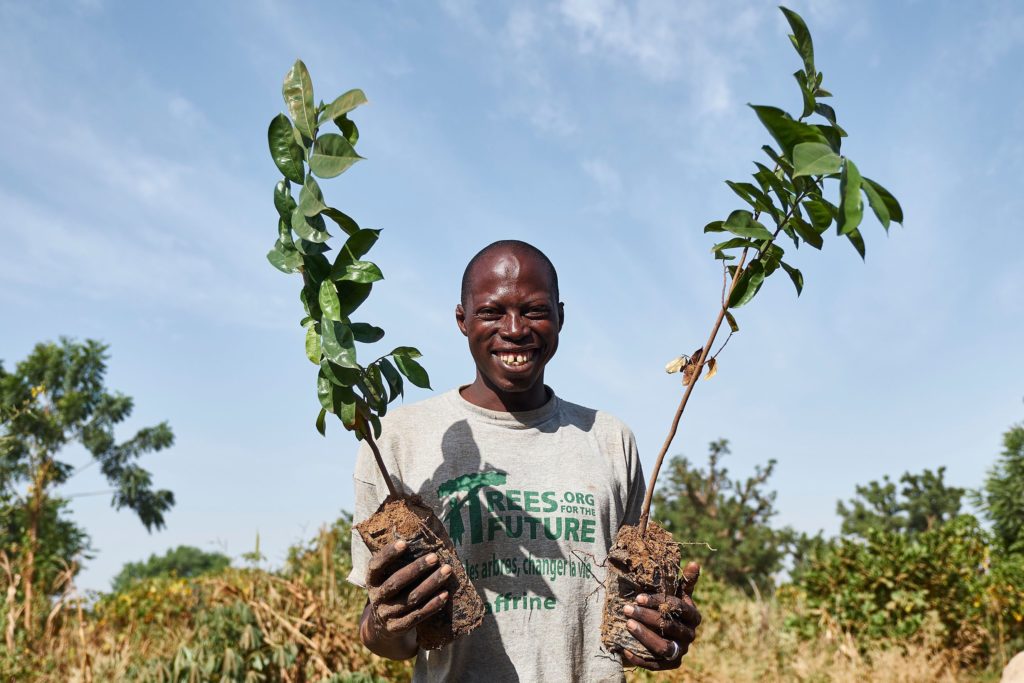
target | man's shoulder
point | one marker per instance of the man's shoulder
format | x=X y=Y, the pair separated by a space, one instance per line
x=601 y=420
x=427 y=409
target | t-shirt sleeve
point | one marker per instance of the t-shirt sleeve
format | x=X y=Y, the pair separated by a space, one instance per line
x=370 y=491
x=637 y=487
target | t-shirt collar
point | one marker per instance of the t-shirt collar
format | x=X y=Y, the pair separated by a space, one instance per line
x=526 y=419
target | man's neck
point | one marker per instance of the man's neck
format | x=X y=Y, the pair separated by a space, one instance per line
x=481 y=394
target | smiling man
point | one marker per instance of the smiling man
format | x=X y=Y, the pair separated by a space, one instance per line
x=532 y=489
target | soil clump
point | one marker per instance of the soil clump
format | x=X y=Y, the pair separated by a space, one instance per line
x=407 y=518
x=647 y=563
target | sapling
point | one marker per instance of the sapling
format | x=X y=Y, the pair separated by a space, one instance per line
x=789 y=191
x=332 y=290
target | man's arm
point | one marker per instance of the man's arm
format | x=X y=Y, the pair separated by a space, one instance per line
x=400 y=600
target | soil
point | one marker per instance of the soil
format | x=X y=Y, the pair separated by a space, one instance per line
x=636 y=564
x=409 y=519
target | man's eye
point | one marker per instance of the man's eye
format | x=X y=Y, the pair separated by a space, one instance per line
x=538 y=312
x=488 y=314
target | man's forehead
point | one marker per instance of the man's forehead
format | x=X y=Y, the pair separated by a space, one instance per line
x=507 y=266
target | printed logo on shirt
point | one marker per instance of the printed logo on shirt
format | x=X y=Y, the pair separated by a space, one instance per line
x=494 y=510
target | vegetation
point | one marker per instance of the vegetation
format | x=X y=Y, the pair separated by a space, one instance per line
x=182 y=562
x=53 y=398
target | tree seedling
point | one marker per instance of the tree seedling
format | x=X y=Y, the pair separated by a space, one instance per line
x=332 y=290
x=789 y=191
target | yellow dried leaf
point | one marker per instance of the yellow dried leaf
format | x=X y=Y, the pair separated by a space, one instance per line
x=712 y=368
x=676 y=364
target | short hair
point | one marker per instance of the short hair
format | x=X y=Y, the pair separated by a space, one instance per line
x=514 y=246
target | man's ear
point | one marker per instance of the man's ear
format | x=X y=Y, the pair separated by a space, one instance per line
x=561 y=315
x=460 y=318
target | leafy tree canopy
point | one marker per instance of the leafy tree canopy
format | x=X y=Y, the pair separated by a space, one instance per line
x=1002 y=495
x=732 y=516
x=924 y=502
x=183 y=562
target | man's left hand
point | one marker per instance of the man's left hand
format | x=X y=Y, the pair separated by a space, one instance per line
x=664 y=624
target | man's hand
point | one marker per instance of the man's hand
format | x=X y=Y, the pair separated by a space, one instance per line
x=664 y=624
x=406 y=591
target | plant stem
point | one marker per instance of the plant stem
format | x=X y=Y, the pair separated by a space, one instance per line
x=392 y=489
x=705 y=352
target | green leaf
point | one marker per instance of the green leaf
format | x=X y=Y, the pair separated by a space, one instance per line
x=348 y=128
x=754 y=196
x=332 y=156
x=783 y=163
x=343 y=104
x=795 y=275
x=366 y=333
x=395 y=383
x=891 y=205
x=407 y=351
x=309 y=228
x=344 y=222
x=313 y=345
x=742 y=223
x=347 y=413
x=308 y=248
x=819 y=213
x=297 y=90
x=325 y=392
x=317 y=268
x=769 y=180
x=307 y=296
x=733 y=243
x=807 y=233
x=283 y=201
x=339 y=376
x=858 y=242
x=787 y=132
x=877 y=205
x=328 y=299
x=714 y=226
x=413 y=370
x=287 y=155
x=362 y=271
x=354 y=248
x=851 y=204
x=814 y=158
x=284 y=259
x=352 y=295
x=732 y=322
x=321 y=422
x=747 y=286
x=311 y=199
x=801 y=39
x=339 y=344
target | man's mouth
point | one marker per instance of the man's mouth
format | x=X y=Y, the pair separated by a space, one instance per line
x=516 y=359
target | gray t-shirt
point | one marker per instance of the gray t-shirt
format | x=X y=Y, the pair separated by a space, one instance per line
x=532 y=501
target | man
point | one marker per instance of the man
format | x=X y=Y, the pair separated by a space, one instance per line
x=532 y=489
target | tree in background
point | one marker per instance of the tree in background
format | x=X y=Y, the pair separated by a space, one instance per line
x=924 y=502
x=730 y=515
x=1001 y=497
x=183 y=562
x=53 y=398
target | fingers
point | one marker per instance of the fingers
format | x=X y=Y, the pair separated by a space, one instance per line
x=661 y=648
x=690 y=575
x=431 y=585
x=381 y=559
x=649 y=664
x=661 y=623
x=401 y=579
x=404 y=623
x=682 y=610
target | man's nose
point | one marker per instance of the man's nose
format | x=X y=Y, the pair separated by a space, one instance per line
x=514 y=327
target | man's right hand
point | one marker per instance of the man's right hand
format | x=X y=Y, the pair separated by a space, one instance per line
x=406 y=591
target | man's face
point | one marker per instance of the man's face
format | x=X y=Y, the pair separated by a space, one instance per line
x=512 y=320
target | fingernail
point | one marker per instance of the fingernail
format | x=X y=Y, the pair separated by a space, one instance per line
x=400 y=545
x=628 y=609
x=446 y=570
x=631 y=625
x=431 y=558
x=641 y=599
x=444 y=596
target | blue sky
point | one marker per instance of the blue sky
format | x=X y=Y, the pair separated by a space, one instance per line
x=136 y=187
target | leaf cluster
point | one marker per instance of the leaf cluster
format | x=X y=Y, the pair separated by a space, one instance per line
x=788 y=191
x=1001 y=497
x=332 y=289
x=183 y=562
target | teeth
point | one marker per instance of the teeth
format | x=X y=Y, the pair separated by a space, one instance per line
x=515 y=359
